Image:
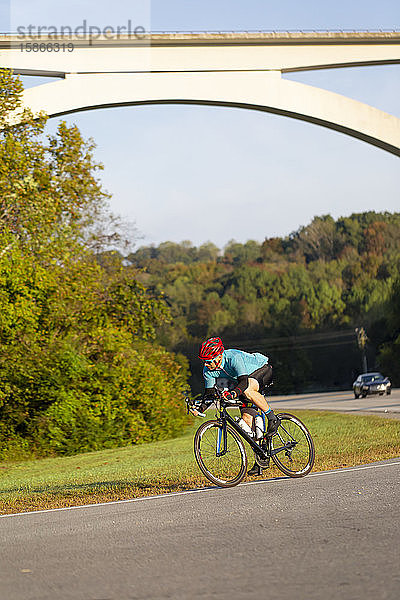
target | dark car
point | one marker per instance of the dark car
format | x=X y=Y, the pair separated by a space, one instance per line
x=371 y=383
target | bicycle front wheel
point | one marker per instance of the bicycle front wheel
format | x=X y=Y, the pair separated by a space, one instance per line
x=225 y=469
x=292 y=447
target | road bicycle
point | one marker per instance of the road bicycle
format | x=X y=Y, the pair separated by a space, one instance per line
x=221 y=454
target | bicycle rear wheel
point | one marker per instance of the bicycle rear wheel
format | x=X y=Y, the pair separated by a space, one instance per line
x=227 y=470
x=292 y=447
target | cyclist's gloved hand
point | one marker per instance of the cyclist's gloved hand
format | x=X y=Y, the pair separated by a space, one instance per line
x=229 y=395
x=198 y=408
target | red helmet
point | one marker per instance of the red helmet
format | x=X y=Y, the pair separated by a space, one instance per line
x=211 y=348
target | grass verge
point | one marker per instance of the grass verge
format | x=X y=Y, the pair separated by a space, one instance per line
x=341 y=440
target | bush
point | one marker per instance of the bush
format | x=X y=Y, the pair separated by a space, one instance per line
x=103 y=394
x=134 y=398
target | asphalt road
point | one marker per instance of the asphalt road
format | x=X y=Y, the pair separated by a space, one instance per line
x=339 y=401
x=332 y=535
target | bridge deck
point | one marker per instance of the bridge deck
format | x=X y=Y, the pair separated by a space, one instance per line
x=250 y=38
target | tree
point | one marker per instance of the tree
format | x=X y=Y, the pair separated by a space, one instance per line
x=389 y=355
x=207 y=252
x=79 y=368
x=319 y=240
x=240 y=254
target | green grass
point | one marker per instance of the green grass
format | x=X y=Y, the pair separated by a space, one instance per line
x=134 y=471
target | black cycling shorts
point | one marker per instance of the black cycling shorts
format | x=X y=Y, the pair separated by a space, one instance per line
x=263 y=375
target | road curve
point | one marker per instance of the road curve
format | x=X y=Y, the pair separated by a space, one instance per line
x=331 y=535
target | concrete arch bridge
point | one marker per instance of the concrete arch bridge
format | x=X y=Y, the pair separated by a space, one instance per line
x=223 y=69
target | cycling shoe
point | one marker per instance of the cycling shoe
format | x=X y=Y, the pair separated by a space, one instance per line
x=255 y=470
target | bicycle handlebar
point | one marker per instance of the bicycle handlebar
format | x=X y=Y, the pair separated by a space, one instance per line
x=218 y=397
x=190 y=405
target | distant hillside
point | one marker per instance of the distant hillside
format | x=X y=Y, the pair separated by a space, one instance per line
x=325 y=278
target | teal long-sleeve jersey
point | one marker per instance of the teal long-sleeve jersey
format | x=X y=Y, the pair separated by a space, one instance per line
x=235 y=363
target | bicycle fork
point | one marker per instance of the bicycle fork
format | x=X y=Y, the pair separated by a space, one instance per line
x=222 y=438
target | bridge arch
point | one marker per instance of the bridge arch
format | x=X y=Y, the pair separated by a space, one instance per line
x=256 y=90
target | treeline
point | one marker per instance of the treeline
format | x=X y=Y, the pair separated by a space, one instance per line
x=324 y=279
x=79 y=366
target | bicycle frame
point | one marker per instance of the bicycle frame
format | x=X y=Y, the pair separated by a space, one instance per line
x=224 y=418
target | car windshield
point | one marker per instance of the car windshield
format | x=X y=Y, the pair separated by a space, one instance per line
x=371 y=378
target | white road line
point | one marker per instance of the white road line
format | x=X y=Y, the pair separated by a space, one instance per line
x=197 y=491
x=362 y=468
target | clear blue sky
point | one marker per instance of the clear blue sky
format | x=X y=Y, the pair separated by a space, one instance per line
x=203 y=173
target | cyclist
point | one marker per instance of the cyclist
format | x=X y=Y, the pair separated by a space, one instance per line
x=247 y=374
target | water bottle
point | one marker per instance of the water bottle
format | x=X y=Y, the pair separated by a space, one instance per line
x=260 y=426
x=242 y=423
